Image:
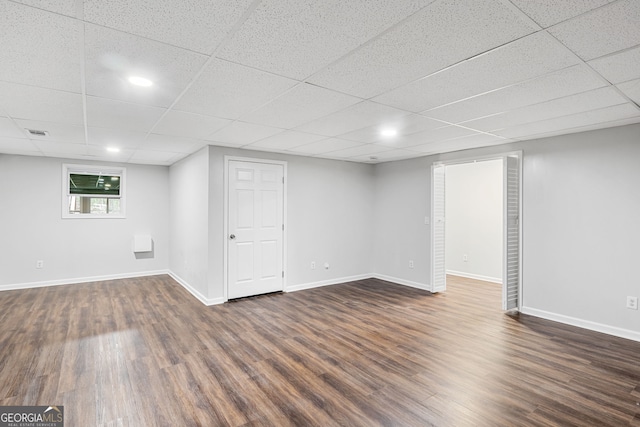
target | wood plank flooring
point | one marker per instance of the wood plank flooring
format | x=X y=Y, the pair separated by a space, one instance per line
x=144 y=352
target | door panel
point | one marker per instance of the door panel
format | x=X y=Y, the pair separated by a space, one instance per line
x=255 y=240
x=269 y=209
x=438 y=268
x=245 y=209
x=511 y=263
x=244 y=262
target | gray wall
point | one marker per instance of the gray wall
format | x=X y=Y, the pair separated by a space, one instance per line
x=580 y=224
x=402 y=201
x=580 y=210
x=329 y=209
x=32 y=227
x=474 y=219
x=189 y=222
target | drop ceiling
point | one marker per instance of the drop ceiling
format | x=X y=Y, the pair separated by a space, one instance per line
x=313 y=78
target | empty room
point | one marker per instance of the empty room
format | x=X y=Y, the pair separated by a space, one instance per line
x=319 y=213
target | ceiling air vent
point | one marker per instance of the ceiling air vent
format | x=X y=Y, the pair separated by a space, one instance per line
x=36 y=132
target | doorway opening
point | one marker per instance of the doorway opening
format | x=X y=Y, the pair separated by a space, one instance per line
x=476 y=225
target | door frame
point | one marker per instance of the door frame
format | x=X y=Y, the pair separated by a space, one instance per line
x=228 y=159
x=471 y=159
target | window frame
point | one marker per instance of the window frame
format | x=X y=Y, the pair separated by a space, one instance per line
x=68 y=169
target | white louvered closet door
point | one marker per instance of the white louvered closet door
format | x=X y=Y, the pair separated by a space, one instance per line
x=438 y=270
x=511 y=235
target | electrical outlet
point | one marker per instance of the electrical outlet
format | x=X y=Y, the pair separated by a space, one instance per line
x=410 y=263
x=465 y=257
x=39 y=263
x=313 y=265
x=632 y=303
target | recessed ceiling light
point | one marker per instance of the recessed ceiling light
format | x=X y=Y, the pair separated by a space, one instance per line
x=140 y=81
x=389 y=132
x=113 y=149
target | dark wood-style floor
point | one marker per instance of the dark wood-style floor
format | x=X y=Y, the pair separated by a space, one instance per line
x=144 y=352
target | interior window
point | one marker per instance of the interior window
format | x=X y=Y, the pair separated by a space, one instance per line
x=93 y=192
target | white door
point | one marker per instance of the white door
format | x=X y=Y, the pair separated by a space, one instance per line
x=438 y=269
x=511 y=234
x=255 y=228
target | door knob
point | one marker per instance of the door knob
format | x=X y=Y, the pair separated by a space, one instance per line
x=232 y=236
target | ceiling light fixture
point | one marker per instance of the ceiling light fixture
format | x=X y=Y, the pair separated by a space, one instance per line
x=113 y=149
x=140 y=81
x=389 y=132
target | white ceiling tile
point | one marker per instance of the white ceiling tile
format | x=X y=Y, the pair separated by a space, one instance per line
x=597 y=126
x=107 y=113
x=56 y=131
x=589 y=118
x=18 y=146
x=359 y=151
x=47 y=105
x=179 y=123
x=172 y=144
x=296 y=38
x=230 y=90
x=585 y=101
x=384 y=156
x=198 y=25
x=120 y=138
x=155 y=157
x=526 y=58
x=429 y=136
x=9 y=129
x=286 y=140
x=300 y=105
x=571 y=80
x=585 y=128
x=242 y=133
x=325 y=146
x=631 y=89
x=619 y=67
x=415 y=49
x=39 y=48
x=550 y=12
x=458 y=144
x=112 y=57
x=358 y=116
x=63 y=7
x=603 y=31
x=406 y=125
x=61 y=149
x=266 y=149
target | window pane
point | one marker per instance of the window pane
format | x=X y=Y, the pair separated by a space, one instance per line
x=108 y=185
x=113 y=206
x=98 y=206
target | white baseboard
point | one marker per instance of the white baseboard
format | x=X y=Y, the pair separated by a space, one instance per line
x=423 y=286
x=77 y=280
x=303 y=286
x=195 y=292
x=475 y=276
x=585 y=324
